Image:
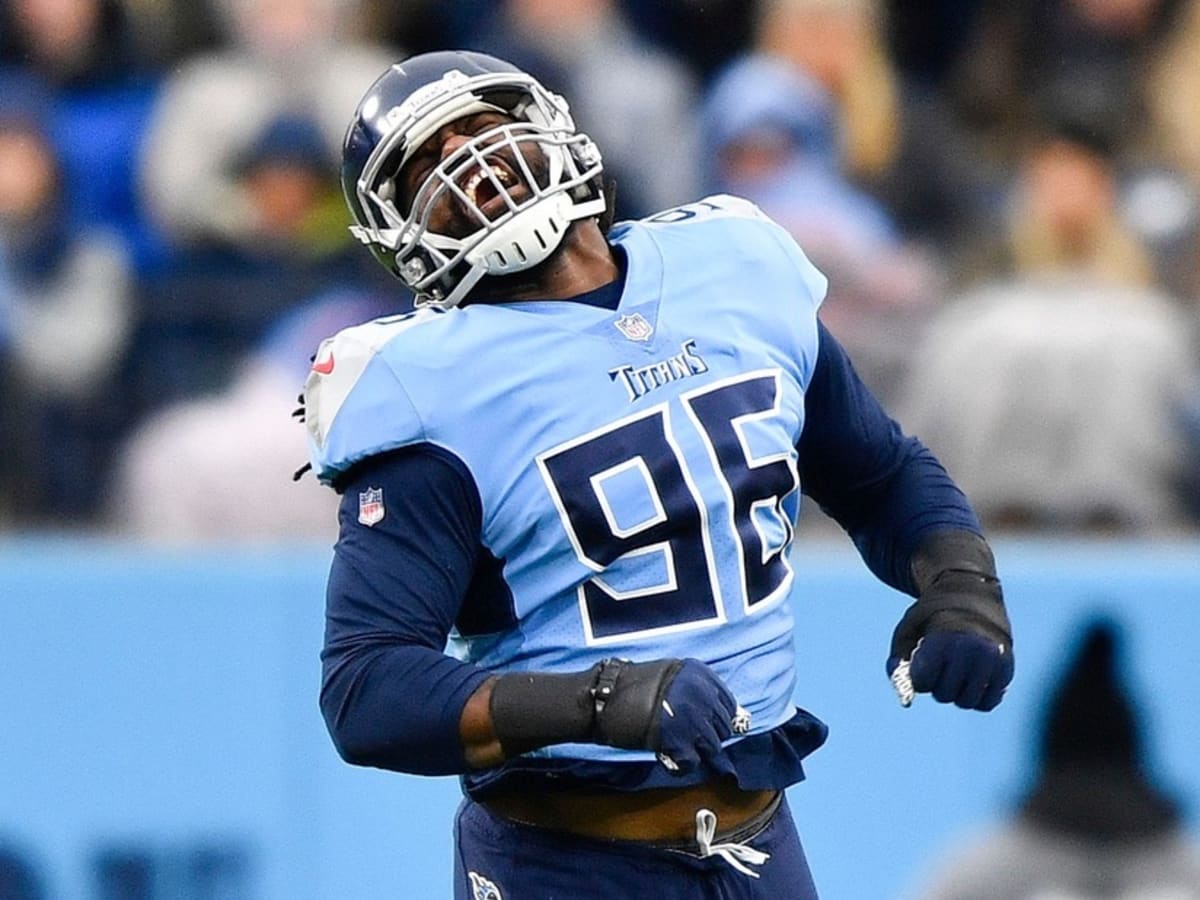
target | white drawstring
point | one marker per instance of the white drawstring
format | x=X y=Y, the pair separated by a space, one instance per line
x=734 y=854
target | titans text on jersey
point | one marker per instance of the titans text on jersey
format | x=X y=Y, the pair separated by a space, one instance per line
x=640 y=380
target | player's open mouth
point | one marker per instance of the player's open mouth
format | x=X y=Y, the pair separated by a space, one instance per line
x=483 y=188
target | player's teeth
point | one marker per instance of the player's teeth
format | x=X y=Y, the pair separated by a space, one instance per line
x=472 y=186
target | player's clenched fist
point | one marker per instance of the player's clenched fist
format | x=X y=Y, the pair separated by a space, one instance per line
x=678 y=708
x=955 y=642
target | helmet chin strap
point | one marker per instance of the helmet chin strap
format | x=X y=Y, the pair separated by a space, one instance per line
x=521 y=243
x=526 y=239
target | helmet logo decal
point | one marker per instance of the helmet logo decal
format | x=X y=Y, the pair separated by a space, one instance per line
x=448 y=83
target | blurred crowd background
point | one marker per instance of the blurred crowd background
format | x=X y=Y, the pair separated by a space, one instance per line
x=1005 y=195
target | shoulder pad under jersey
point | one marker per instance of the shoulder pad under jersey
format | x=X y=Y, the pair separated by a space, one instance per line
x=711 y=207
x=342 y=373
x=728 y=207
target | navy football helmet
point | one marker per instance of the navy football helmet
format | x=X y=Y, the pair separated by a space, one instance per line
x=545 y=173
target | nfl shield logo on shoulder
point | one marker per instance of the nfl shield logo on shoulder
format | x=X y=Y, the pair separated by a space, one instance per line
x=635 y=327
x=370 y=506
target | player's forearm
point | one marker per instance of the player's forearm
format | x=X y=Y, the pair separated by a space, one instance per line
x=481 y=746
x=917 y=501
x=373 y=724
x=398 y=707
x=521 y=711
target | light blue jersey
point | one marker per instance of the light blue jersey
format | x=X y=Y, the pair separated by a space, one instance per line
x=636 y=467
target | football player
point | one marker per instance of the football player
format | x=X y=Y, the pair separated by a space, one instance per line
x=568 y=488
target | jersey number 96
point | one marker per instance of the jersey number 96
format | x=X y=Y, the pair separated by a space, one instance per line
x=639 y=518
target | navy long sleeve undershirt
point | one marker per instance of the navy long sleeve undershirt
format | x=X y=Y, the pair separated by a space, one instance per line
x=389 y=695
x=886 y=489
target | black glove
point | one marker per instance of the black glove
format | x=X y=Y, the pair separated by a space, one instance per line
x=955 y=641
x=677 y=708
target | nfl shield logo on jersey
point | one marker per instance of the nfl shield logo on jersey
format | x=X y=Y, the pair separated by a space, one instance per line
x=370 y=506
x=483 y=889
x=635 y=327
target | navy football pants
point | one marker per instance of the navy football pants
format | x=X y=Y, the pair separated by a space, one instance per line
x=497 y=859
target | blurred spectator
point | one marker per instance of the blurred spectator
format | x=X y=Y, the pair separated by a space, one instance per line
x=220 y=468
x=1112 y=69
x=1175 y=92
x=702 y=35
x=1055 y=395
x=1093 y=57
x=65 y=314
x=638 y=102
x=839 y=43
x=1095 y=64
x=1065 y=216
x=1166 y=202
x=18 y=880
x=769 y=125
x=1091 y=60
x=1094 y=824
x=226 y=289
x=706 y=35
x=771 y=135
x=101 y=96
x=1031 y=58
x=927 y=40
x=283 y=57
x=897 y=139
